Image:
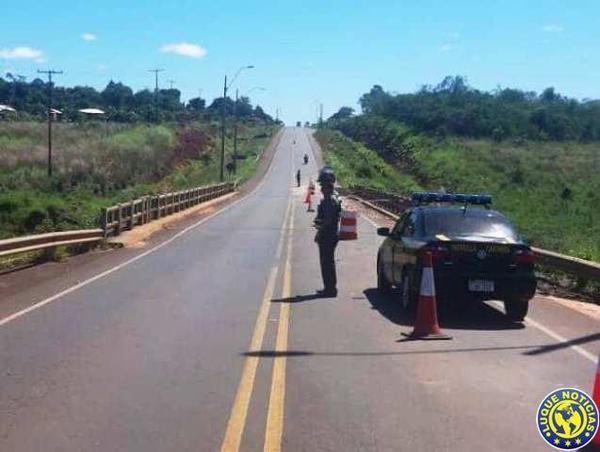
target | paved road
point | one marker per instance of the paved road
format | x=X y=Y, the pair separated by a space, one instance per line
x=216 y=341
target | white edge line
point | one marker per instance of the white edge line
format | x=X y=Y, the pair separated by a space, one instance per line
x=78 y=286
x=544 y=329
x=558 y=337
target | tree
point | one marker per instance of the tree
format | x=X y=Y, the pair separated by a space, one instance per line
x=196 y=104
x=342 y=113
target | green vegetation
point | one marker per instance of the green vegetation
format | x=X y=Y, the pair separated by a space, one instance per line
x=358 y=166
x=98 y=165
x=454 y=108
x=548 y=186
x=118 y=101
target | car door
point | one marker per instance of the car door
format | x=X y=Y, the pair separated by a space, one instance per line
x=387 y=248
x=402 y=248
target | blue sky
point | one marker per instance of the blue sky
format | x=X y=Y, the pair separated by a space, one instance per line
x=305 y=52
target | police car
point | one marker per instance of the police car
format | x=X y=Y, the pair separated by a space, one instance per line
x=477 y=254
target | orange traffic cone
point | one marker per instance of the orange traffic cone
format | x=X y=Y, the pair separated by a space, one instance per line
x=596 y=397
x=309 y=192
x=426 y=324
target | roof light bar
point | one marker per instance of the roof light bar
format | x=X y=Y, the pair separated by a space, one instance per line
x=462 y=198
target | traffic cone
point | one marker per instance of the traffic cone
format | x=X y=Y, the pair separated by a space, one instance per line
x=426 y=323
x=308 y=199
x=596 y=397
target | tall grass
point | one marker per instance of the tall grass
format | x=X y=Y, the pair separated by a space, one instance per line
x=96 y=165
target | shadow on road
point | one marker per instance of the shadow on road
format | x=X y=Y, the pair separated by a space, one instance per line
x=300 y=298
x=479 y=316
x=552 y=347
x=299 y=353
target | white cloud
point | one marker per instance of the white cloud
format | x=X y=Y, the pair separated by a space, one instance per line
x=552 y=28
x=184 y=49
x=446 y=47
x=21 y=52
x=88 y=37
x=40 y=60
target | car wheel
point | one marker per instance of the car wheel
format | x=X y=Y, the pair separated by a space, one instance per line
x=383 y=286
x=408 y=297
x=516 y=310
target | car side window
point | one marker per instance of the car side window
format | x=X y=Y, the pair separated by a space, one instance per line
x=397 y=231
x=410 y=225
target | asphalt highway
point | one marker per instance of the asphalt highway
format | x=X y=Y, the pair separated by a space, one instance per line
x=215 y=340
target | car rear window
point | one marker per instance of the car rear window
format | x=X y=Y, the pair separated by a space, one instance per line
x=456 y=223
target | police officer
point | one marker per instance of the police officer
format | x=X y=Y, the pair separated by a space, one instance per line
x=326 y=222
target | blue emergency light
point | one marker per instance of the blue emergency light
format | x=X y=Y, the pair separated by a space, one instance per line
x=462 y=198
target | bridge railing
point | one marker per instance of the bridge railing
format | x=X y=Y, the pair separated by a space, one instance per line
x=148 y=208
x=118 y=218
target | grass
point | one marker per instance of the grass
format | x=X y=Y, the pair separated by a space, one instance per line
x=358 y=166
x=98 y=165
x=549 y=190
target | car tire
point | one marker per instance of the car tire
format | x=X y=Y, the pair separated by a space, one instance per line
x=408 y=299
x=516 y=309
x=383 y=286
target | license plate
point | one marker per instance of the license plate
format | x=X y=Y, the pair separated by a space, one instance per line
x=481 y=285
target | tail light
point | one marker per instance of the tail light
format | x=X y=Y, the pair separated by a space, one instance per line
x=524 y=256
x=439 y=253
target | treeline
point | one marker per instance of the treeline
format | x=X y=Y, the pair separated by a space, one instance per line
x=119 y=101
x=455 y=108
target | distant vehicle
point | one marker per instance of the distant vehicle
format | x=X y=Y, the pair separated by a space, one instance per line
x=298 y=123
x=477 y=254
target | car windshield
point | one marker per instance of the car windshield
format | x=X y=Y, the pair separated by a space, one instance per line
x=455 y=223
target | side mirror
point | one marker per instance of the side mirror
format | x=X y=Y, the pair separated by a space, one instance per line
x=384 y=232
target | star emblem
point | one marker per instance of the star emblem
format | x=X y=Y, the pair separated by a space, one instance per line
x=557 y=441
x=578 y=441
x=567 y=443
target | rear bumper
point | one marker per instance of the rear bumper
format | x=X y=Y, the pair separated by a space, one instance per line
x=453 y=286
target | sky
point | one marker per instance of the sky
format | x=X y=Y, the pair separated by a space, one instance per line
x=307 y=53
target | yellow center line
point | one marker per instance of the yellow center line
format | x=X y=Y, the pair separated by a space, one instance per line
x=275 y=413
x=239 y=411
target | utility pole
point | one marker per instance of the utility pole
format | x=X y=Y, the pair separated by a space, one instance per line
x=277 y=114
x=235 y=127
x=50 y=73
x=156 y=71
x=171 y=83
x=225 y=88
x=223 y=129
x=320 y=114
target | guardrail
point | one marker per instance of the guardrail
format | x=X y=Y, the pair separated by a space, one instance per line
x=392 y=205
x=142 y=210
x=50 y=240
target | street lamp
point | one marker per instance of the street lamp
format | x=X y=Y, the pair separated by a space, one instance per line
x=225 y=88
x=235 y=121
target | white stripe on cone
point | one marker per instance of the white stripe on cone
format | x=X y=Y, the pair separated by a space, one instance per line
x=427 y=283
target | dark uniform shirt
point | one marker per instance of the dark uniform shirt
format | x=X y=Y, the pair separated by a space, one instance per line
x=327 y=219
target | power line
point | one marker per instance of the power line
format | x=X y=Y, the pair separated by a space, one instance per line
x=50 y=73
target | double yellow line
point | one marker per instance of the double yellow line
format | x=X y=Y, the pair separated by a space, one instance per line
x=275 y=413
